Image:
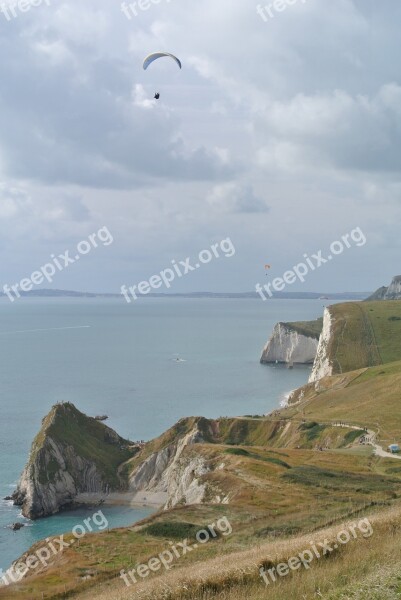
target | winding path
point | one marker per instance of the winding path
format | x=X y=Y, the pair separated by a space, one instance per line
x=371 y=440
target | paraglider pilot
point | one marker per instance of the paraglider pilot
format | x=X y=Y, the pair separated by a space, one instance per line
x=157 y=96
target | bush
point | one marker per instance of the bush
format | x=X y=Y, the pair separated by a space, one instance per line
x=173 y=529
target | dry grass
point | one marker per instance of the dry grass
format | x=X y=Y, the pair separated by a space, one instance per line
x=359 y=565
x=368 y=397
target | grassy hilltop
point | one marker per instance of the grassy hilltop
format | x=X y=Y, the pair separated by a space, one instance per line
x=290 y=478
x=365 y=334
x=308 y=328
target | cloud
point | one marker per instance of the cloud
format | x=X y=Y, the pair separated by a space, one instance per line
x=294 y=123
x=236 y=197
x=347 y=132
x=72 y=112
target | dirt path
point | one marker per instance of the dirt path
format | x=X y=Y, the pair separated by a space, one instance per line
x=371 y=440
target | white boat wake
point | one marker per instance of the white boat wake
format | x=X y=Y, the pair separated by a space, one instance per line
x=50 y=329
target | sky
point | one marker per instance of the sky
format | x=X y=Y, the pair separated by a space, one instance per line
x=281 y=132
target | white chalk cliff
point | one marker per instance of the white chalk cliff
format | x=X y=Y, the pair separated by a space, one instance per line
x=173 y=474
x=392 y=292
x=323 y=367
x=287 y=345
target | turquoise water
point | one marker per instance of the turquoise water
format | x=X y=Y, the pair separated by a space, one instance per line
x=108 y=357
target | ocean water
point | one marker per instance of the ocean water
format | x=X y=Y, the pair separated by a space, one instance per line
x=108 y=357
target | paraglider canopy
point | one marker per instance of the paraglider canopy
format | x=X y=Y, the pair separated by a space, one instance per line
x=156 y=55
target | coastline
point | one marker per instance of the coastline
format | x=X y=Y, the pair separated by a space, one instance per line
x=154 y=500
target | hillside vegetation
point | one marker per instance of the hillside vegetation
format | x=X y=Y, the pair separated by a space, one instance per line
x=365 y=334
x=91 y=439
x=295 y=476
x=307 y=328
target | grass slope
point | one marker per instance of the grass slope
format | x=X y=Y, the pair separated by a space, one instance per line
x=368 y=397
x=365 y=334
x=311 y=329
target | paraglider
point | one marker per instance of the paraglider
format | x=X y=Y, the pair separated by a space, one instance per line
x=155 y=56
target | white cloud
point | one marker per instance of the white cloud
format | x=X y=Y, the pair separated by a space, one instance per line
x=299 y=116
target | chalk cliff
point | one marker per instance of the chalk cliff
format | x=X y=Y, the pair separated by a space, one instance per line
x=76 y=459
x=72 y=454
x=392 y=292
x=293 y=343
x=323 y=366
x=172 y=472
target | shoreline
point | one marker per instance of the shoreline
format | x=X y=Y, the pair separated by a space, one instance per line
x=133 y=499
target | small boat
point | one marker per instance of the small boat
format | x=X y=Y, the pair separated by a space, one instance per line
x=101 y=418
x=178 y=359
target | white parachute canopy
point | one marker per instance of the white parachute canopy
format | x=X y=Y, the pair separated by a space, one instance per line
x=156 y=55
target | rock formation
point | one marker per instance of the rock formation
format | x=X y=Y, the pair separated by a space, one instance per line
x=76 y=459
x=392 y=292
x=72 y=454
x=173 y=472
x=293 y=343
x=322 y=367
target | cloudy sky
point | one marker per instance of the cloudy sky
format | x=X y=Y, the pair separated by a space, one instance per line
x=282 y=133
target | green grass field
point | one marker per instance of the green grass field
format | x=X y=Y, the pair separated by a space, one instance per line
x=365 y=334
x=308 y=328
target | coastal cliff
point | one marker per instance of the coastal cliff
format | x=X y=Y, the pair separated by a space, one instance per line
x=323 y=365
x=75 y=459
x=173 y=473
x=293 y=343
x=356 y=335
x=392 y=292
x=72 y=454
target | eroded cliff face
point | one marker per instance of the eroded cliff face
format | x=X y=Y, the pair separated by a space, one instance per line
x=76 y=459
x=323 y=366
x=72 y=454
x=392 y=292
x=174 y=473
x=287 y=345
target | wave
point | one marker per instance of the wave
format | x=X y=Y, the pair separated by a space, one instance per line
x=284 y=399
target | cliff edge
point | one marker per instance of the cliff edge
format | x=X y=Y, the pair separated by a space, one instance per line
x=357 y=335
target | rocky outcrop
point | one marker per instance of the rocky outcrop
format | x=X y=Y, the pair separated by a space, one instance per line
x=174 y=473
x=292 y=344
x=76 y=459
x=323 y=367
x=392 y=292
x=72 y=454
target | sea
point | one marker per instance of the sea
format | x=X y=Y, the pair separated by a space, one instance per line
x=145 y=365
